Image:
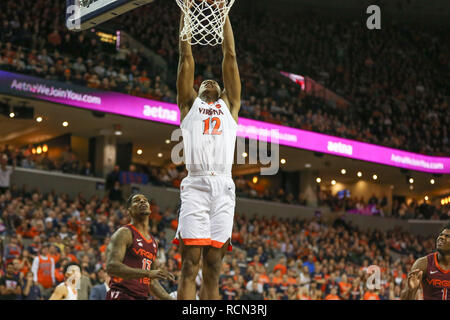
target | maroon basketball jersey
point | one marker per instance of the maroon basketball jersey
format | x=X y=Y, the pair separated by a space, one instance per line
x=436 y=282
x=141 y=255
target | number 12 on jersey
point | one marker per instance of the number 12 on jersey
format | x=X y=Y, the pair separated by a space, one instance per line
x=215 y=130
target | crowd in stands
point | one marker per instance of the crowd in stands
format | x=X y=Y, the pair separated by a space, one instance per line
x=28 y=158
x=374 y=206
x=394 y=82
x=272 y=258
x=171 y=176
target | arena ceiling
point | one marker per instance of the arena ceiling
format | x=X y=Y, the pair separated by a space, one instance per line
x=151 y=138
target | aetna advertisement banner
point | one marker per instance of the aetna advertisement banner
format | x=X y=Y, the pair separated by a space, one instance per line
x=86 y=98
x=140 y=108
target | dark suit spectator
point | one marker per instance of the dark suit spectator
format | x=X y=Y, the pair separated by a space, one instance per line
x=99 y=291
x=112 y=178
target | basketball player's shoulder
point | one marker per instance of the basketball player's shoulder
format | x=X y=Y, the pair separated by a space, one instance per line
x=421 y=263
x=123 y=234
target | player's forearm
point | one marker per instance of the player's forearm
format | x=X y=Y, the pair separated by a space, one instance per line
x=158 y=291
x=408 y=294
x=120 y=270
x=228 y=46
x=185 y=47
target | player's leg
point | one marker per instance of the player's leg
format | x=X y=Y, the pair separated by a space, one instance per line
x=212 y=265
x=190 y=264
x=193 y=232
x=221 y=220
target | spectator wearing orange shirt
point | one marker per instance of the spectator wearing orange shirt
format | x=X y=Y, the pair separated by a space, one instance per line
x=303 y=293
x=43 y=269
x=255 y=262
x=278 y=278
x=344 y=286
x=371 y=295
x=333 y=295
x=105 y=244
x=281 y=265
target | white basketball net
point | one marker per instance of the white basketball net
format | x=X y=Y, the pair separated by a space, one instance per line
x=204 y=20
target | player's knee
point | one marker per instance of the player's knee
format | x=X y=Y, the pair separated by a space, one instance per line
x=211 y=269
x=190 y=267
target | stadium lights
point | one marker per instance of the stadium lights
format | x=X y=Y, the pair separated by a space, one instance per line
x=343 y=171
x=411 y=180
x=374 y=177
x=12 y=115
x=65 y=124
x=432 y=181
x=318 y=180
x=244 y=155
x=283 y=161
x=255 y=180
x=333 y=182
x=39 y=119
x=160 y=155
x=139 y=151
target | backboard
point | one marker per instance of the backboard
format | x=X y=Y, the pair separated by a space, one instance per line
x=85 y=14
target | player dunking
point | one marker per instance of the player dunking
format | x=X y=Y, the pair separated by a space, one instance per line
x=131 y=257
x=432 y=272
x=209 y=125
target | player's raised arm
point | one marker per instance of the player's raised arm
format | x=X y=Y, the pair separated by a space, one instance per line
x=418 y=270
x=230 y=70
x=185 y=81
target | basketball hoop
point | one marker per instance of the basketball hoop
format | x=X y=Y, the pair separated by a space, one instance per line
x=204 y=20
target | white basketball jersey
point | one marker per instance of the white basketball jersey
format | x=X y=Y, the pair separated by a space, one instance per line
x=70 y=294
x=209 y=138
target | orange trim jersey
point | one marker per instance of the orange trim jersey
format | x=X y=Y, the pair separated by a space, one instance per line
x=436 y=281
x=44 y=273
x=141 y=254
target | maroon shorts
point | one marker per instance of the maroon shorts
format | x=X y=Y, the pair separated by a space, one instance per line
x=115 y=294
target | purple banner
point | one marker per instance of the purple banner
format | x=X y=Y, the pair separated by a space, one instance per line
x=130 y=106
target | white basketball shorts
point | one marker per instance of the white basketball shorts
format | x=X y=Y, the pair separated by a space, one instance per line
x=207 y=210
